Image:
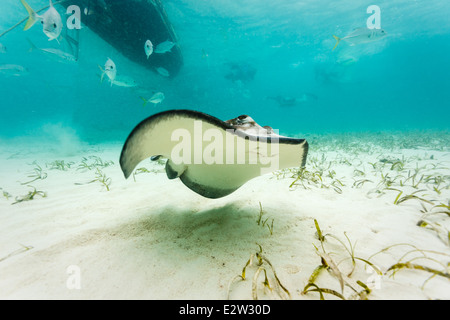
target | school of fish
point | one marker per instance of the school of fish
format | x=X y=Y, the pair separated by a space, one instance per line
x=52 y=27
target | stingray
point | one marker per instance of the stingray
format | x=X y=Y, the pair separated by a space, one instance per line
x=211 y=157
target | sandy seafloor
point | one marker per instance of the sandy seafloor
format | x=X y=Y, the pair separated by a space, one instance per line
x=152 y=238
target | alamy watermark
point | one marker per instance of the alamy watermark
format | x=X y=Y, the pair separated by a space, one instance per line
x=373 y=282
x=374 y=21
x=74 y=20
x=232 y=146
x=73 y=281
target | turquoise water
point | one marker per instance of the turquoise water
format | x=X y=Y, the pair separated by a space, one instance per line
x=398 y=83
x=376 y=179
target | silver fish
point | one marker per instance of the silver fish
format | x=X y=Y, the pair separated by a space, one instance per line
x=124 y=81
x=13 y=70
x=155 y=99
x=164 y=47
x=346 y=60
x=163 y=72
x=148 y=48
x=361 y=35
x=51 y=21
x=56 y=54
x=89 y=11
x=110 y=71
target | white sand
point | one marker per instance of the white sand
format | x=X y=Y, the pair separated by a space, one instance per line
x=156 y=239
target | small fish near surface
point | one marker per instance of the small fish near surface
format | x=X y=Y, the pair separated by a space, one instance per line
x=163 y=72
x=155 y=99
x=51 y=21
x=110 y=71
x=13 y=70
x=55 y=54
x=164 y=47
x=346 y=60
x=124 y=81
x=361 y=35
x=89 y=12
x=148 y=48
x=2 y=48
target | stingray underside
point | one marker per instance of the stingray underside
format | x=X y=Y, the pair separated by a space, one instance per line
x=208 y=155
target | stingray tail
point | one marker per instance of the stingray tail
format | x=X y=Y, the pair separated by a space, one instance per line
x=33 y=17
x=337 y=41
x=145 y=101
